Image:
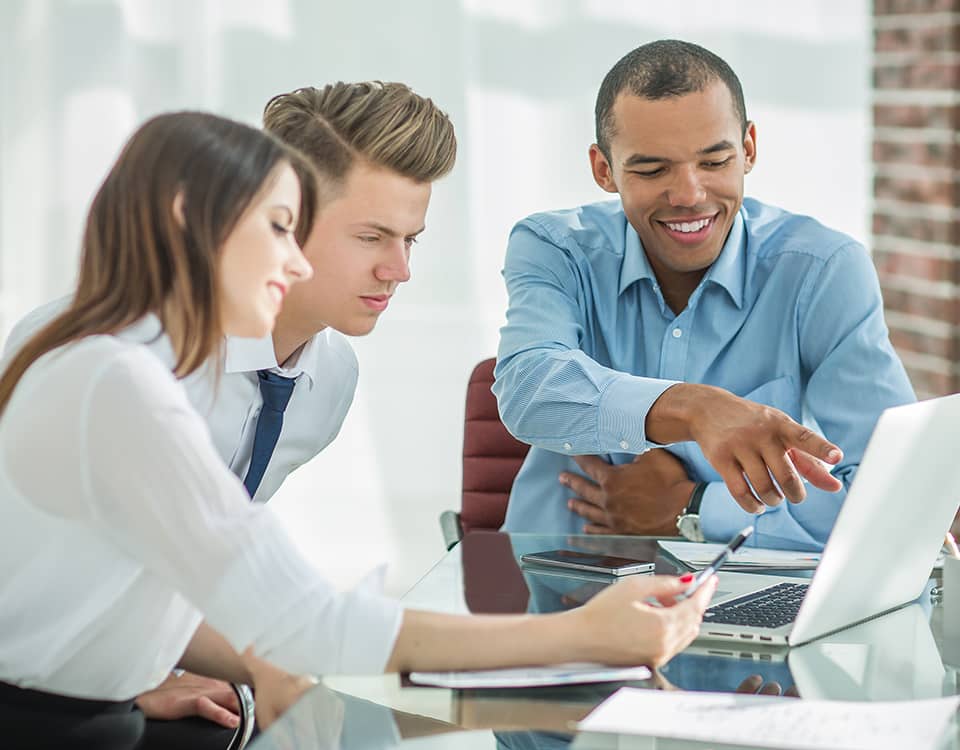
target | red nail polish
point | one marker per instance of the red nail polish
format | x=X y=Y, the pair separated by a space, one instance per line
x=688 y=578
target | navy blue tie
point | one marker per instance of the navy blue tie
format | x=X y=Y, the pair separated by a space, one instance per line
x=276 y=391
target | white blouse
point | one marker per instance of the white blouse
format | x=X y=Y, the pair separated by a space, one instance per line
x=121 y=528
x=230 y=401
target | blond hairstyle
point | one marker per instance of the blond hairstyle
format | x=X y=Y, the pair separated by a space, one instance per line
x=386 y=124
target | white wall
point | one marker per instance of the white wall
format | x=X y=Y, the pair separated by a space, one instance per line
x=518 y=77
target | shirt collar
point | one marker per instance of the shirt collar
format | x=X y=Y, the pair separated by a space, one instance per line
x=241 y=355
x=727 y=270
x=635 y=264
x=250 y=355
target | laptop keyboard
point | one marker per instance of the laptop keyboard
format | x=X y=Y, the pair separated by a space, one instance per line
x=769 y=608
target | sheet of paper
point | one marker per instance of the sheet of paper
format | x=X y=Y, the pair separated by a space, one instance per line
x=699 y=555
x=783 y=723
x=559 y=674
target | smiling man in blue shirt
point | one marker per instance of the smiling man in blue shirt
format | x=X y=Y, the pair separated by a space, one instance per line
x=683 y=315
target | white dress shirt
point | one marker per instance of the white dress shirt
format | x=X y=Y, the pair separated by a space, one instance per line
x=121 y=529
x=326 y=372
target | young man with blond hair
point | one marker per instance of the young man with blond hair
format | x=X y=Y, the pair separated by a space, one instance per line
x=279 y=401
x=377 y=147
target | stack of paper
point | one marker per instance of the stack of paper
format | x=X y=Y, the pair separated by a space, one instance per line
x=785 y=723
x=698 y=556
x=560 y=674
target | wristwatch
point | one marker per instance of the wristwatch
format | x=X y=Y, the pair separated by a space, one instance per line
x=247 y=716
x=688 y=522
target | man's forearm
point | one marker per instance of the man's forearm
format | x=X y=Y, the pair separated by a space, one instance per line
x=211 y=655
x=671 y=415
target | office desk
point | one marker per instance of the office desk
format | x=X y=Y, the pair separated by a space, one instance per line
x=896 y=657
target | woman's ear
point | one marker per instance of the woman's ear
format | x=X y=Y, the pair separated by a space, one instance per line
x=178 y=213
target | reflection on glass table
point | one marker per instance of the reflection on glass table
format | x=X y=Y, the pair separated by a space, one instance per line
x=894 y=657
x=327 y=720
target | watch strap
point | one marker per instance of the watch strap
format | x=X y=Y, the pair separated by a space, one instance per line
x=696 y=499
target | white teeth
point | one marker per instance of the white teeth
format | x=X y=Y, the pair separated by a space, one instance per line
x=688 y=226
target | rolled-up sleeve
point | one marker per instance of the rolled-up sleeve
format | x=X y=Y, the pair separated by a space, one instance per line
x=852 y=374
x=550 y=393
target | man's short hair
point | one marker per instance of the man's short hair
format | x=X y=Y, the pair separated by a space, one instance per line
x=385 y=124
x=661 y=70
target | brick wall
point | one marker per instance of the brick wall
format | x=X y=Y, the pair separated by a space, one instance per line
x=916 y=186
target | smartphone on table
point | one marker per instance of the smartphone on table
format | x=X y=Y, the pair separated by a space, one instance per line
x=569 y=559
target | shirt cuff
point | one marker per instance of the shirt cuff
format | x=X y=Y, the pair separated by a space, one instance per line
x=372 y=625
x=293 y=616
x=721 y=517
x=624 y=405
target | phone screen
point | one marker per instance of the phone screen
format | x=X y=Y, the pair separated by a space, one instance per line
x=604 y=561
x=568 y=558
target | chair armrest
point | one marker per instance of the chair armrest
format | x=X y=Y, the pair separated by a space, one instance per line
x=450 y=527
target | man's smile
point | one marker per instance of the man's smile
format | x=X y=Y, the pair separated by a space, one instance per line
x=689 y=230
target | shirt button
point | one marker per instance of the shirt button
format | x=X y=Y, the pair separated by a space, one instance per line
x=567 y=446
x=624 y=444
x=677 y=333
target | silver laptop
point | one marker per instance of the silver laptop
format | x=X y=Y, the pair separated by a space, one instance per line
x=883 y=545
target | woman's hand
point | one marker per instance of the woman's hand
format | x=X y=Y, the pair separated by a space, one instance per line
x=185 y=695
x=275 y=690
x=621 y=626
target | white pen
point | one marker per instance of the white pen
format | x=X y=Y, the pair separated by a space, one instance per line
x=704 y=575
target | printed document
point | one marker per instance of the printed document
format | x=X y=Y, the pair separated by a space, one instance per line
x=784 y=723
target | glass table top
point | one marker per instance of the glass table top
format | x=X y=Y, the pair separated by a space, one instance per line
x=898 y=656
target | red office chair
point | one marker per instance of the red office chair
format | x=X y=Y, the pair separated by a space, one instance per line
x=491 y=459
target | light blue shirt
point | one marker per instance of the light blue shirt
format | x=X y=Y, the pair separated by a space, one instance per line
x=789 y=315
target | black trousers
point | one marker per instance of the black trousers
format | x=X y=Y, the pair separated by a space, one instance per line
x=194 y=733
x=35 y=720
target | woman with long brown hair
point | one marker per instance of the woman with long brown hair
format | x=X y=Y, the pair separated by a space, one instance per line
x=122 y=529
x=112 y=496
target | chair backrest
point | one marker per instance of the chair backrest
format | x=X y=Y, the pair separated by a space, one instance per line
x=491 y=455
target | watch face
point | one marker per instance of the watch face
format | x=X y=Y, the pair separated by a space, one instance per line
x=689 y=526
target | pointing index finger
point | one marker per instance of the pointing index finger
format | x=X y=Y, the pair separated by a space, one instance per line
x=810 y=442
x=814 y=471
